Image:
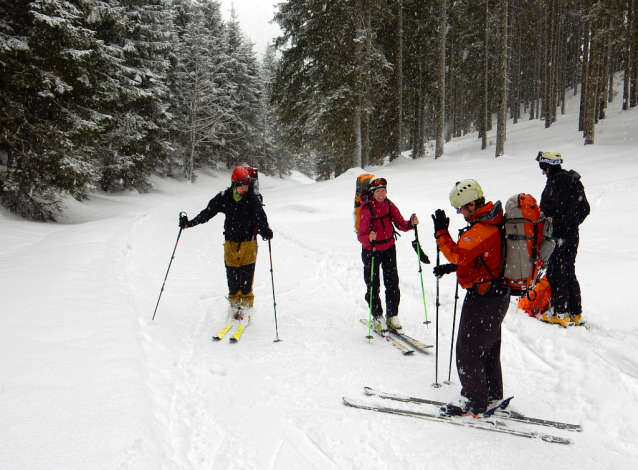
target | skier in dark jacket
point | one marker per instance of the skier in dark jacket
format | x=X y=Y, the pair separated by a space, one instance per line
x=476 y=258
x=563 y=200
x=245 y=218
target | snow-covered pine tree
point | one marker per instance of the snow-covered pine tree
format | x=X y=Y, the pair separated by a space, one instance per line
x=202 y=100
x=242 y=138
x=135 y=142
x=274 y=157
x=330 y=74
x=51 y=95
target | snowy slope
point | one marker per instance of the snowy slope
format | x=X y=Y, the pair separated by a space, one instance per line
x=89 y=381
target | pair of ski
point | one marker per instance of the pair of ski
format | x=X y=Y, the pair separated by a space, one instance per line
x=489 y=423
x=393 y=336
x=235 y=337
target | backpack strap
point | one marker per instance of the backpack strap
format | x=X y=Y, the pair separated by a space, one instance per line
x=395 y=234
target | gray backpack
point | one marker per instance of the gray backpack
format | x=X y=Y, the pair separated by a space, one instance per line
x=528 y=242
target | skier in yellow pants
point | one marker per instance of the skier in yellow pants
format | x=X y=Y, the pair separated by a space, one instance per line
x=245 y=218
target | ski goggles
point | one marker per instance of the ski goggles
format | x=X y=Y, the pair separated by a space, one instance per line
x=552 y=161
x=378 y=183
x=243 y=181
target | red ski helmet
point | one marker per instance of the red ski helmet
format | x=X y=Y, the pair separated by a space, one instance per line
x=241 y=176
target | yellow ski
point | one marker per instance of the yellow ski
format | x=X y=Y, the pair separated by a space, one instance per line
x=222 y=333
x=238 y=334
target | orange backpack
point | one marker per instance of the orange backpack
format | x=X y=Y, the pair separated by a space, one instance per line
x=528 y=242
x=362 y=194
x=537 y=300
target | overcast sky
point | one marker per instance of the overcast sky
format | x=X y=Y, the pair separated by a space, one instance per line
x=254 y=17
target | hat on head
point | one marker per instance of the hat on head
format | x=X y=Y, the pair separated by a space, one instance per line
x=552 y=157
x=465 y=192
x=377 y=183
x=241 y=176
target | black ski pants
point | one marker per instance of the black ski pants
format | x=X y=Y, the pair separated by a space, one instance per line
x=561 y=275
x=384 y=261
x=478 y=348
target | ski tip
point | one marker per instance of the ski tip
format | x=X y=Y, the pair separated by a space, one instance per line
x=216 y=338
x=233 y=340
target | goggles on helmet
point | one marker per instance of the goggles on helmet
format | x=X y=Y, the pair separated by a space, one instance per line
x=556 y=160
x=378 y=182
x=242 y=181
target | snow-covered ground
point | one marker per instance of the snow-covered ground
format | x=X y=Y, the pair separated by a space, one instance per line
x=89 y=381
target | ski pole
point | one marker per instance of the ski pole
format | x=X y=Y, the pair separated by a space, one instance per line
x=169 y=267
x=456 y=298
x=418 y=253
x=274 y=303
x=369 y=337
x=436 y=383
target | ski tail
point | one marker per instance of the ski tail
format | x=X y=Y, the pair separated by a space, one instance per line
x=500 y=406
x=404 y=350
x=415 y=343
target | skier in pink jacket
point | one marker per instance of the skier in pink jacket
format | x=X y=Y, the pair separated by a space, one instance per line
x=377 y=235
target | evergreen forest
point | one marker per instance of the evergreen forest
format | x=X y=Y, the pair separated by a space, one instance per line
x=102 y=94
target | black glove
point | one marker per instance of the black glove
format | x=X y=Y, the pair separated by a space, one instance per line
x=444 y=269
x=183 y=222
x=266 y=233
x=441 y=222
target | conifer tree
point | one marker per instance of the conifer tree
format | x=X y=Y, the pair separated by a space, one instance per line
x=330 y=73
x=202 y=101
x=242 y=80
x=135 y=142
x=51 y=108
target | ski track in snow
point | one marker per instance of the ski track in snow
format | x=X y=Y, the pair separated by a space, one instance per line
x=89 y=381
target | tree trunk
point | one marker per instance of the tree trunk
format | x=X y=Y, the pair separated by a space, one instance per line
x=356 y=115
x=502 y=83
x=399 y=83
x=629 y=59
x=486 y=77
x=591 y=96
x=548 y=98
x=440 y=119
x=358 y=161
x=365 y=145
x=628 y=56
x=584 y=89
x=418 y=147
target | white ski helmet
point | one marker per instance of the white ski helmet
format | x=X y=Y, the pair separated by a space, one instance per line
x=552 y=157
x=377 y=183
x=465 y=192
